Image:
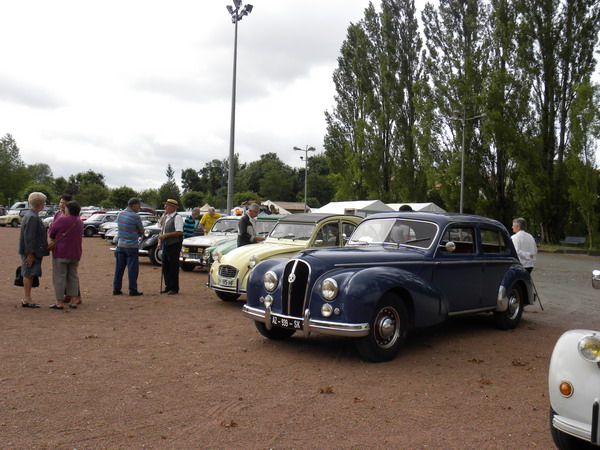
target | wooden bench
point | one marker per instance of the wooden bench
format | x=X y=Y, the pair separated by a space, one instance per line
x=573 y=240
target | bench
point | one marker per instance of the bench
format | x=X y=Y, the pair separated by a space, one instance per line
x=573 y=240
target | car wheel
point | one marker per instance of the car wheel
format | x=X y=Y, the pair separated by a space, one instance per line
x=275 y=333
x=155 y=255
x=187 y=267
x=388 y=329
x=227 y=296
x=14 y=223
x=89 y=232
x=509 y=319
x=565 y=441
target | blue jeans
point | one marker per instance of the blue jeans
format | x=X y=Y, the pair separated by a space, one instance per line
x=126 y=257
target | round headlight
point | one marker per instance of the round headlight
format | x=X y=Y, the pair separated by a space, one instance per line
x=216 y=256
x=268 y=301
x=147 y=233
x=252 y=262
x=206 y=253
x=326 y=310
x=329 y=289
x=270 y=281
x=589 y=348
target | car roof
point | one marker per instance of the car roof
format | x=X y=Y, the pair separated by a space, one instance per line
x=436 y=217
x=314 y=217
x=269 y=217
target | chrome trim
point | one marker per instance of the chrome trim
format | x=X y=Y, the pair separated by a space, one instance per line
x=190 y=260
x=502 y=300
x=386 y=263
x=143 y=252
x=470 y=311
x=314 y=325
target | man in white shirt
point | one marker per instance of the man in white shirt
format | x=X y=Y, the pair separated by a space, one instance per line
x=524 y=244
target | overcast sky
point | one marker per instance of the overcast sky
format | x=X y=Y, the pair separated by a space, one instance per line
x=126 y=87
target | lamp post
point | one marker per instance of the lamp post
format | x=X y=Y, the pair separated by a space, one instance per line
x=305 y=150
x=237 y=13
x=463 y=120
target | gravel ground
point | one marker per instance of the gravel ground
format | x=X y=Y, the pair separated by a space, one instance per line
x=189 y=371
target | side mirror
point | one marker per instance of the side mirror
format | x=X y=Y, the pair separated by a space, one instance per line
x=596 y=279
x=450 y=246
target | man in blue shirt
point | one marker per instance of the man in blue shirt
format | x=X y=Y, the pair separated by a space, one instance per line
x=130 y=228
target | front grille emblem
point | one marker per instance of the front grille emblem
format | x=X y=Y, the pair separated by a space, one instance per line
x=292 y=278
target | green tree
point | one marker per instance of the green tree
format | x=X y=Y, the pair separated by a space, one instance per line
x=151 y=197
x=44 y=187
x=61 y=186
x=241 y=197
x=169 y=190
x=192 y=199
x=14 y=174
x=190 y=180
x=40 y=173
x=119 y=197
x=92 y=195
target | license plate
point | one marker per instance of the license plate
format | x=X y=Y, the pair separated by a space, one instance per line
x=229 y=282
x=283 y=322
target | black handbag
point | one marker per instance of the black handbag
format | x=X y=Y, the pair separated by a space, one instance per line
x=19 y=279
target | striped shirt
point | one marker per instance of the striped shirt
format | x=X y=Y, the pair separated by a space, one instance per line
x=130 y=228
x=189 y=226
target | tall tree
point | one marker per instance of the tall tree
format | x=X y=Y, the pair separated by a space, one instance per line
x=40 y=173
x=14 y=174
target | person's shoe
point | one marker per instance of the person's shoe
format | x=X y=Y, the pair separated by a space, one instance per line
x=24 y=304
x=117 y=292
x=55 y=306
x=135 y=293
x=171 y=292
x=164 y=291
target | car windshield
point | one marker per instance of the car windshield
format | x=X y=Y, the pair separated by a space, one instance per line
x=398 y=232
x=294 y=231
x=264 y=227
x=225 y=226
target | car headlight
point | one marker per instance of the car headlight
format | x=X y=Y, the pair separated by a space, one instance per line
x=329 y=289
x=147 y=233
x=326 y=310
x=270 y=281
x=206 y=253
x=252 y=262
x=589 y=348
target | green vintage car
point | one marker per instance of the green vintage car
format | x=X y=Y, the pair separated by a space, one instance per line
x=229 y=273
x=264 y=225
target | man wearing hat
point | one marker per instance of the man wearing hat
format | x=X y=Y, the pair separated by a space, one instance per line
x=169 y=240
x=130 y=228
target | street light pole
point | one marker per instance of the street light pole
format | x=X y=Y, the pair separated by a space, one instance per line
x=237 y=13
x=463 y=120
x=305 y=150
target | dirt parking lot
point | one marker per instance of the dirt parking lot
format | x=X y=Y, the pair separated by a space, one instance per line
x=189 y=371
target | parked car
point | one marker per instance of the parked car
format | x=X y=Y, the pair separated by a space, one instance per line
x=14 y=220
x=93 y=223
x=149 y=241
x=18 y=207
x=574 y=386
x=264 y=225
x=229 y=274
x=192 y=249
x=87 y=213
x=398 y=270
x=112 y=231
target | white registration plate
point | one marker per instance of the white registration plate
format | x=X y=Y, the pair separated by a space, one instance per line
x=227 y=282
x=283 y=322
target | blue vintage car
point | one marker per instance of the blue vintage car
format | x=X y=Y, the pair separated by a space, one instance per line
x=398 y=271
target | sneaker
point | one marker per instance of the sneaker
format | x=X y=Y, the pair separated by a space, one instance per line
x=135 y=293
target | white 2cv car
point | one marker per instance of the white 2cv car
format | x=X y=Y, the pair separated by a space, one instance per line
x=574 y=384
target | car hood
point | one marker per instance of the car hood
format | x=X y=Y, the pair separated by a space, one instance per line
x=363 y=255
x=208 y=240
x=262 y=251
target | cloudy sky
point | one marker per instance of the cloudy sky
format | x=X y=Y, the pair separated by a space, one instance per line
x=126 y=87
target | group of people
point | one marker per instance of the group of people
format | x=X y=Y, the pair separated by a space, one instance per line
x=64 y=239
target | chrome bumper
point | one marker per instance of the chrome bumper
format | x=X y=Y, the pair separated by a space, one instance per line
x=587 y=432
x=309 y=325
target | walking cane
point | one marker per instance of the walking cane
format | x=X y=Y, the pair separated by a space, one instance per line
x=535 y=294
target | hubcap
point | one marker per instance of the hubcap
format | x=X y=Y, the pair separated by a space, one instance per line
x=387 y=327
x=513 y=305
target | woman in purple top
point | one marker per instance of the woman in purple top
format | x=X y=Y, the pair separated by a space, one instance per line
x=67 y=232
x=62 y=208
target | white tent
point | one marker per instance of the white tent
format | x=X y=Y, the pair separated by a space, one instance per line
x=360 y=208
x=423 y=207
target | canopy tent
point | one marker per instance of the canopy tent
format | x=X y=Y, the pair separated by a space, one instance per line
x=423 y=207
x=360 y=208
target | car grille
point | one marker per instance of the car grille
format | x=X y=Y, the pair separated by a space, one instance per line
x=227 y=271
x=296 y=277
